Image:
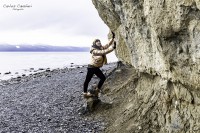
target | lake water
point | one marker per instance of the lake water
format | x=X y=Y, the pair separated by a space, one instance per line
x=20 y=62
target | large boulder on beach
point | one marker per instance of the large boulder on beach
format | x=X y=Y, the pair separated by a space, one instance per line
x=93 y=101
x=160 y=40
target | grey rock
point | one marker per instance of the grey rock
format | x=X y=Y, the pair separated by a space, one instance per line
x=7 y=73
x=48 y=70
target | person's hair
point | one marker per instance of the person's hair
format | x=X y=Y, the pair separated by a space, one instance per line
x=94 y=42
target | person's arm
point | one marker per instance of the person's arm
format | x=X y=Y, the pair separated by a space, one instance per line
x=109 y=44
x=103 y=52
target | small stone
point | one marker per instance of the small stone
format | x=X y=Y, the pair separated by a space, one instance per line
x=80 y=72
x=18 y=79
x=8 y=73
x=119 y=70
x=139 y=127
x=31 y=68
x=90 y=130
x=48 y=70
x=23 y=75
x=41 y=69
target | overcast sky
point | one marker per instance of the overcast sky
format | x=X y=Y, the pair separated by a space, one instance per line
x=52 y=22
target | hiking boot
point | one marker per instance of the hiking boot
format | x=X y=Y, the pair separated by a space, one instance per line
x=87 y=95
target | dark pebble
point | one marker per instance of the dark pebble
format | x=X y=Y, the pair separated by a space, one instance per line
x=23 y=75
x=31 y=68
x=16 y=73
x=18 y=79
x=8 y=73
x=80 y=72
x=41 y=69
x=48 y=70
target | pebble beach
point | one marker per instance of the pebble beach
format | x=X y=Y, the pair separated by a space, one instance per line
x=48 y=101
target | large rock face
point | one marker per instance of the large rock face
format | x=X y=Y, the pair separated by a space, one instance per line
x=161 y=38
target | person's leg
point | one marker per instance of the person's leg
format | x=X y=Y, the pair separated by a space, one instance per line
x=102 y=77
x=90 y=73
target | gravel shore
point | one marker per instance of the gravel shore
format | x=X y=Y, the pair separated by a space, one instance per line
x=48 y=101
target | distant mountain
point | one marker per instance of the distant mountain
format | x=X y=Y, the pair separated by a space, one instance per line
x=40 y=48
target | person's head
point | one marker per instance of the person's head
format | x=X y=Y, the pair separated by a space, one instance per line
x=97 y=42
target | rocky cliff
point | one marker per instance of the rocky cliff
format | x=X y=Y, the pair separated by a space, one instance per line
x=160 y=39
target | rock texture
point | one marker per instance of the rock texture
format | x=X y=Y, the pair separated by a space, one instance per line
x=161 y=41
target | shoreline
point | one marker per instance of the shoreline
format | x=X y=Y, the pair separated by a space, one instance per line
x=34 y=72
x=18 y=64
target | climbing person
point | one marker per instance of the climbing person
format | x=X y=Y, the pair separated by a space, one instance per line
x=98 y=59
